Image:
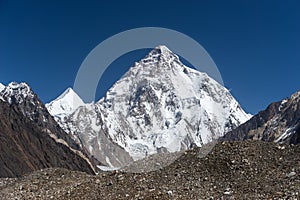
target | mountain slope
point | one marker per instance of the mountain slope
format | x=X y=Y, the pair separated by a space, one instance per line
x=21 y=95
x=31 y=107
x=86 y=126
x=26 y=147
x=159 y=105
x=280 y=122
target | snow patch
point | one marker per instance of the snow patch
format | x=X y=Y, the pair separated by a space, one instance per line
x=107 y=169
x=286 y=134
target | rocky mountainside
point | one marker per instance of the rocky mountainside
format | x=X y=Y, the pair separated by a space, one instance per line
x=68 y=109
x=26 y=147
x=280 y=122
x=159 y=105
x=233 y=170
x=20 y=96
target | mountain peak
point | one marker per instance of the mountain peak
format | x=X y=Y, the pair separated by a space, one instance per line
x=163 y=48
x=159 y=105
x=17 y=92
x=16 y=87
x=162 y=104
x=66 y=103
x=160 y=54
x=68 y=92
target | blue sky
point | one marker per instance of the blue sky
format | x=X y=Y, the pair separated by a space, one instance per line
x=255 y=44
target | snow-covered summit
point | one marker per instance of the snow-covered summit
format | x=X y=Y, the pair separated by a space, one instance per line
x=162 y=105
x=160 y=52
x=159 y=105
x=17 y=92
x=28 y=102
x=65 y=104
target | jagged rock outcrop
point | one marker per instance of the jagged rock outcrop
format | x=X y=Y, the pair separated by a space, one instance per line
x=280 y=122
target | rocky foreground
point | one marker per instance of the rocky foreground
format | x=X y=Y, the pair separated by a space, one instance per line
x=233 y=170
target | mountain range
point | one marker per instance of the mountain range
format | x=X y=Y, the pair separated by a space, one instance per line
x=158 y=106
x=30 y=137
x=280 y=122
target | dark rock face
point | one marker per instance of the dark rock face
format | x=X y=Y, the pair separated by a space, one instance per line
x=280 y=122
x=21 y=95
x=25 y=146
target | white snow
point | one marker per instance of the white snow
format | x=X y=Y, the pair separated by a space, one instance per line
x=286 y=134
x=105 y=168
x=65 y=104
x=1 y=87
x=282 y=104
x=17 y=92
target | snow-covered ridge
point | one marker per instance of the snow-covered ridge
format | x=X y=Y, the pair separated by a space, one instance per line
x=17 y=92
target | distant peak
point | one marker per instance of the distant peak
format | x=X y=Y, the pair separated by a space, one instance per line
x=69 y=95
x=17 y=88
x=15 y=85
x=16 y=92
x=66 y=103
x=68 y=91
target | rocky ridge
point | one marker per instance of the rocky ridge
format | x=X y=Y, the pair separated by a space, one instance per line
x=280 y=122
x=26 y=147
x=22 y=105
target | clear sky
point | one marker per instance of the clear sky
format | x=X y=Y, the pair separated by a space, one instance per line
x=255 y=44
